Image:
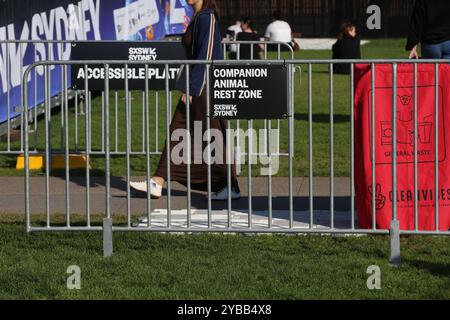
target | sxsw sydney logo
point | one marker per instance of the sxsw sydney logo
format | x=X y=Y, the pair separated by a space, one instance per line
x=142 y=54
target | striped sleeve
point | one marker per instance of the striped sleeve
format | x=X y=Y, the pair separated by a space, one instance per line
x=204 y=48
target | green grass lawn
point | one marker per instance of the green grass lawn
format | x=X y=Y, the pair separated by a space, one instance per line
x=161 y=266
x=376 y=49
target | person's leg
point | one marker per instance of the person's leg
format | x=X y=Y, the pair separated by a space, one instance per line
x=431 y=51
x=178 y=122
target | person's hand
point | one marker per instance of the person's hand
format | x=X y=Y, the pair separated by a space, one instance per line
x=413 y=54
x=184 y=100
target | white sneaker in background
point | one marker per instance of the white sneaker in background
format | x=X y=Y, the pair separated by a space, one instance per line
x=222 y=195
x=155 y=189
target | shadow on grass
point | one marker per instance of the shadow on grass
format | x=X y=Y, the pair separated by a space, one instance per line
x=436 y=269
x=98 y=179
x=199 y=202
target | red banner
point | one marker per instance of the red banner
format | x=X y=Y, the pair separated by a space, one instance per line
x=426 y=126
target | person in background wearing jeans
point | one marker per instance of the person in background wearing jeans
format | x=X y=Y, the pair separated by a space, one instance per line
x=430 y=26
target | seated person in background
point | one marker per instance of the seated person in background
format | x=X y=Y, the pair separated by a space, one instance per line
x=248 y=34
x=232 y=33
x=348 y=46
x=279 y=31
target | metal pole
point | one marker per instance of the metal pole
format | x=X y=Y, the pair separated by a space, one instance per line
x=107 y=238
x=188 y=147
x=395 y=258
x=103 y=121
x=436 y=145
x=47 y=142
x=291 y=149
x=229 y=151
x=416 y=187
x=24 y=94
x=35 y=101
x=62 y=96
x=374 y=158
x=250 y=187
x=76 y=121
x=88 y=147
x=147 y=148
x=143 y=119
x=269 y=178
x=128 y=143
x=24 y=83
x=107 y=146
x=168 y=150
x=238 y=126
x=331 y=148
x=66 y=141
x=8 y=98
x=157 y=121
x=116 y=132
x=352 y=145
x=107 y=221
x=208 y=129
x=310 y=138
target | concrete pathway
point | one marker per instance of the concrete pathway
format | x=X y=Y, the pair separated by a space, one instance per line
x=12 y=202
x=12 y=195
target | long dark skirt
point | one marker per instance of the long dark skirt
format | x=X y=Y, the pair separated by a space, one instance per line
x=199 y=168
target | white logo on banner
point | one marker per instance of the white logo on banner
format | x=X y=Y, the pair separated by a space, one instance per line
x=75 y=22
x=136 y=16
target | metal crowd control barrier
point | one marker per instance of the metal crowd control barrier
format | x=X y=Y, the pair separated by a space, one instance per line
x=265 y=56
x=56 y=48
x=274 y=223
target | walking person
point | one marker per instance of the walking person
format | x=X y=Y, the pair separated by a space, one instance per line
x=430 y=26
x=202 y=41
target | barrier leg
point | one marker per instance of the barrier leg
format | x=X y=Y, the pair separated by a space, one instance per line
x=107 y=237
x=395 y=258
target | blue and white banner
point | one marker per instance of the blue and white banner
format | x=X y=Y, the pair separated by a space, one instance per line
x=178 y=14
x=77 y=20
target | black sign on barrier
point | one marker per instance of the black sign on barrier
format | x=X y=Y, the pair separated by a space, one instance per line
x=249 y=92
x=126 y=51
